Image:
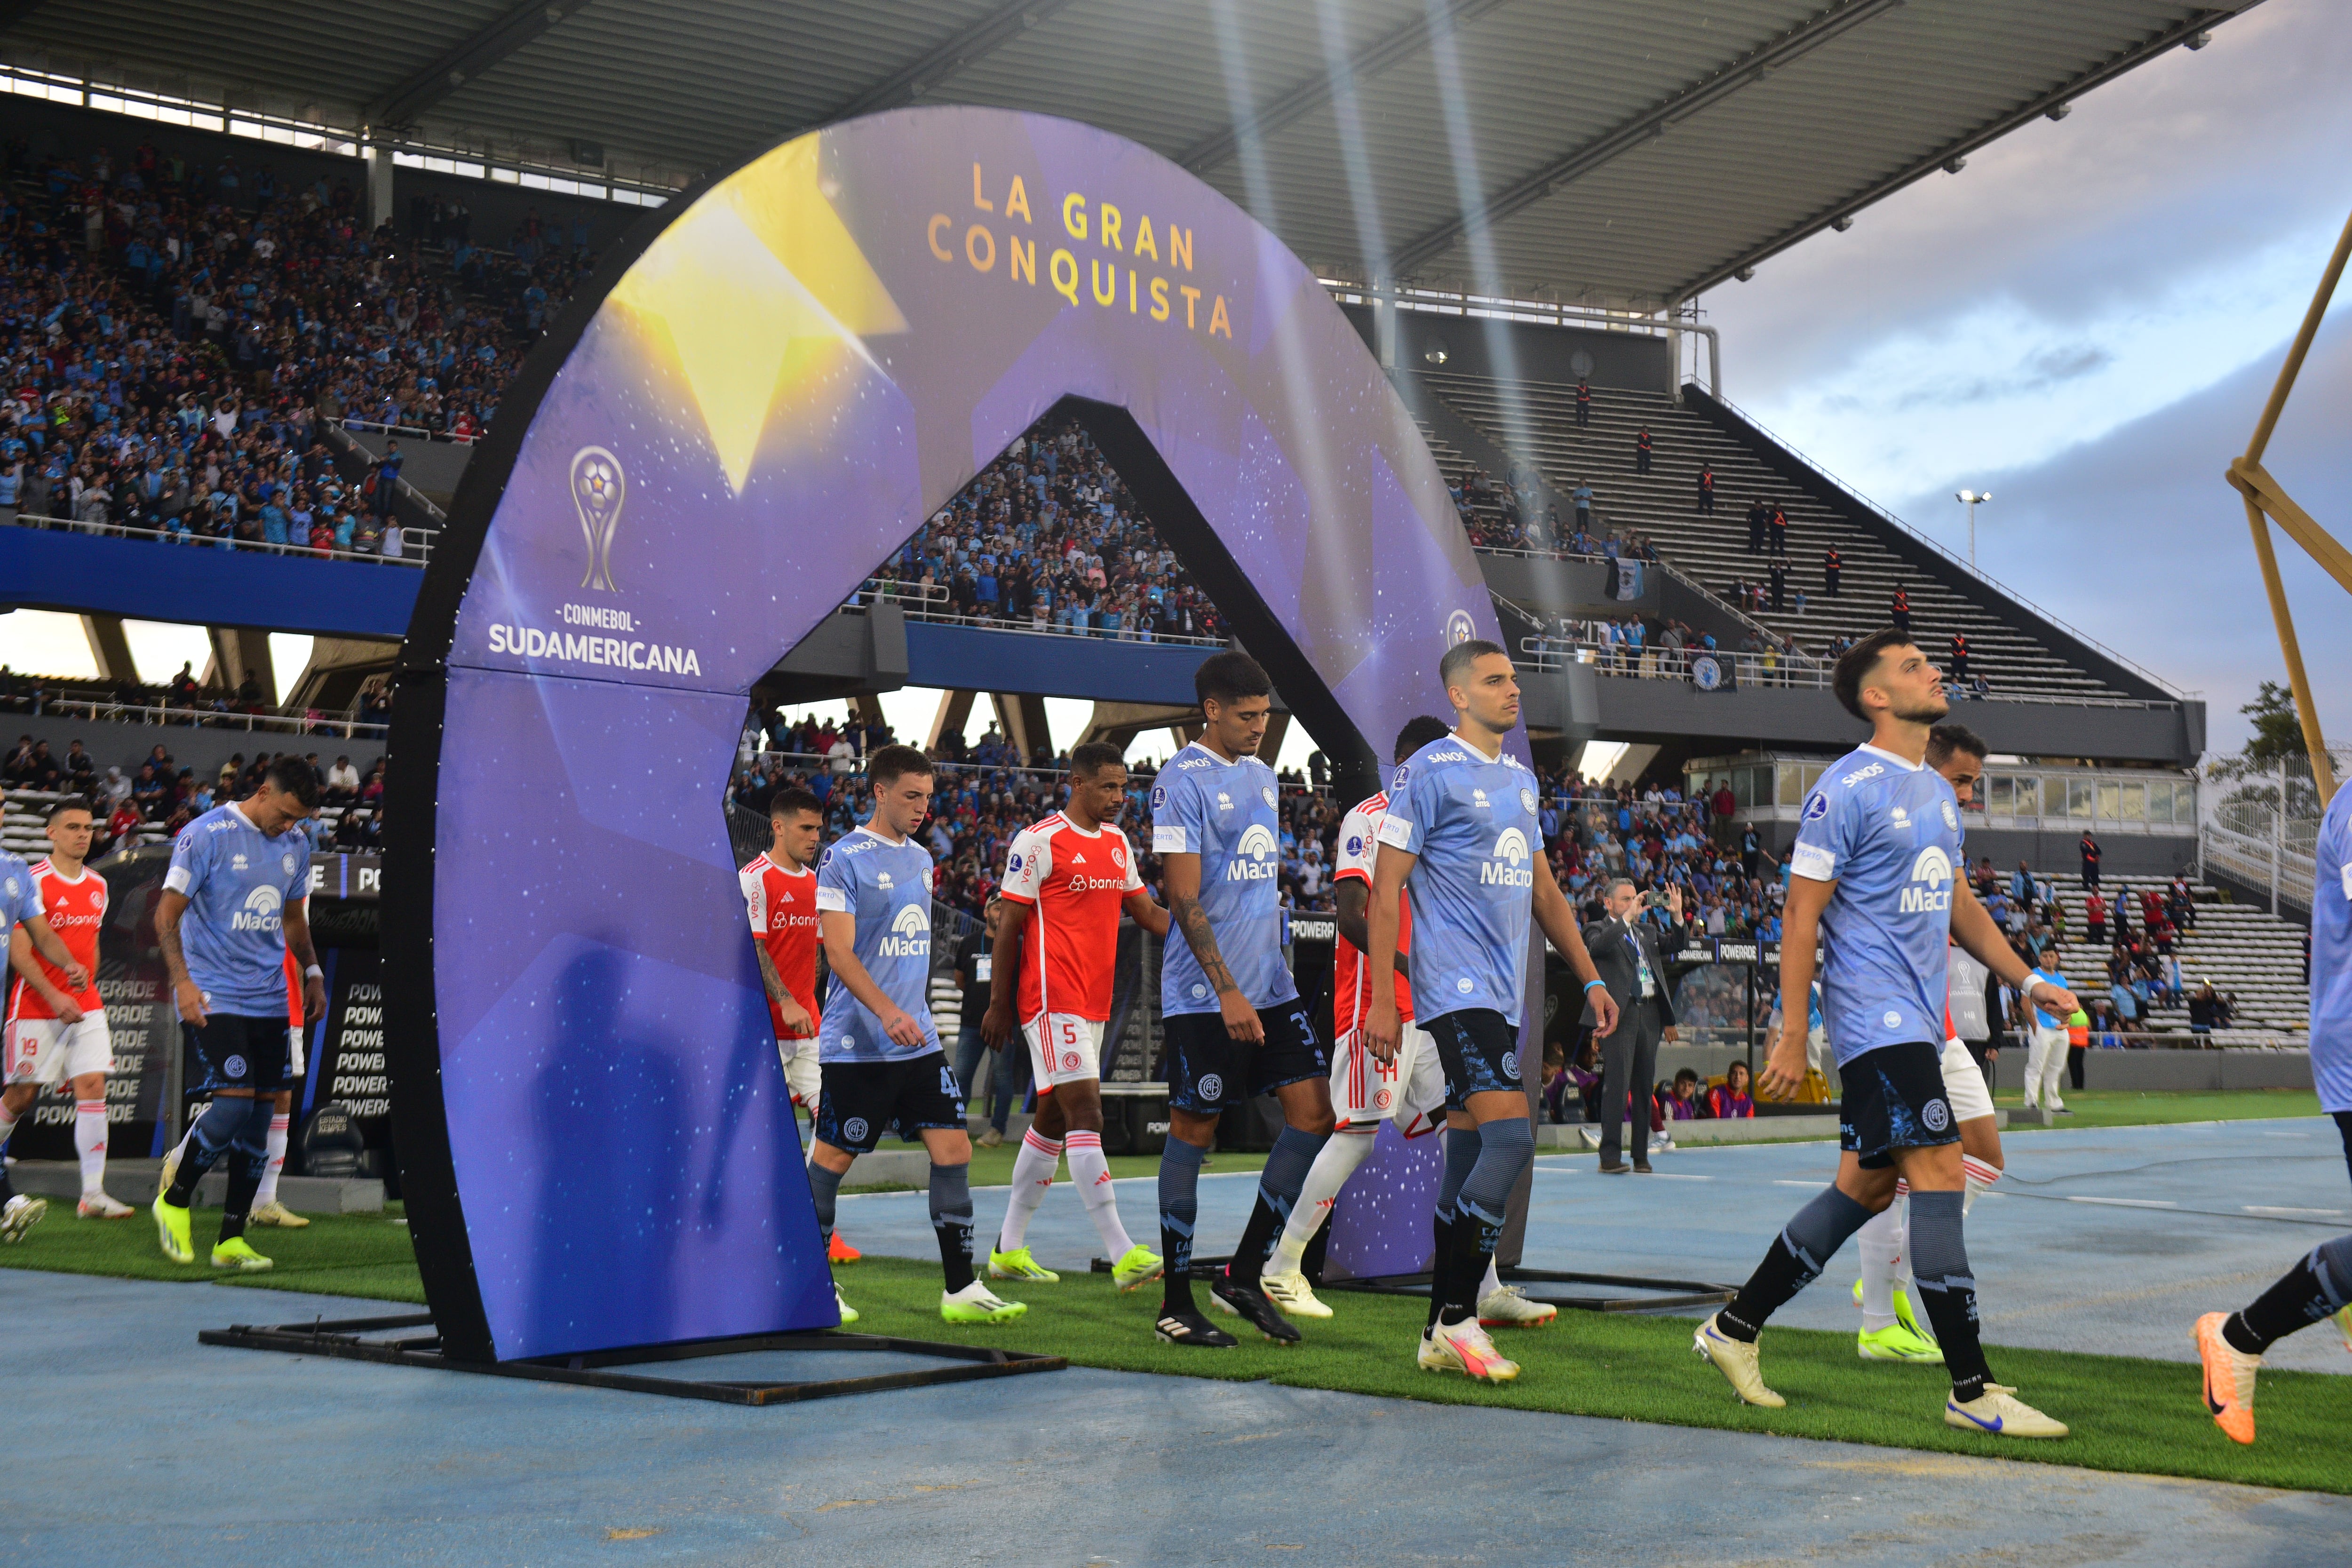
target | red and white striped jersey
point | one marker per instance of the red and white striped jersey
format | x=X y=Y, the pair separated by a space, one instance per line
x=1076 y=880
x=783 y=908
x=1351 y=979
x=75 y=910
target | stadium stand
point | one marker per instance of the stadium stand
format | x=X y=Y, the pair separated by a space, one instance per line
x=1713 y=549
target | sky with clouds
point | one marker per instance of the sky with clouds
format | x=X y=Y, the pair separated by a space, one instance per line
x=2086 y=320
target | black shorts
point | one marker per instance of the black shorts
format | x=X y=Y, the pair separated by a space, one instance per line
x=239 y=1052
x=1894 y=1100
x=858 y=1101
x=1209 y=1071
x=1480 y=1050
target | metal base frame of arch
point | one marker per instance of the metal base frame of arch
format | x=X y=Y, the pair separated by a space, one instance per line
x=346 y=1340
x=1631 y=1293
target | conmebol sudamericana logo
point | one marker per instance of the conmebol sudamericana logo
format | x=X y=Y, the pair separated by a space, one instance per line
x=598 y=485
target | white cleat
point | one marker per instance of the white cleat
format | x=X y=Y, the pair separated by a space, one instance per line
x=99 y=1205
x=1735 y=1359
x=1508 y=1308
x=171 y=1167
x=2001 y=1414
x=1293 y=1294
x=1463 y=1347
x=21 y=1215
x=277 y=1214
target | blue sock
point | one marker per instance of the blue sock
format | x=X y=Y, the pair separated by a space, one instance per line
x=214 y=1131
x=824 y=1190
x=1278 y=1189
x=1795 y=1259
x=248 y=1153
x=1462 y=1145
x=951 y=1223
x=1180 y=1209
x=1948 y=1289
x=1506 y=1148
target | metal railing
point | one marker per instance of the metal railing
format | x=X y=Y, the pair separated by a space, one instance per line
x=416 y=544
x=337 y=427
x=930 y=601
x=413 y=431
x=103 y=710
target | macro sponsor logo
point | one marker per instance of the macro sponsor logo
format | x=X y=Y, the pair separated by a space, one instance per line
x=909 y=936
x=261 y=910
x=1855 y=777
x=1930 y=887
x=1261 y=864
x=1509 y=865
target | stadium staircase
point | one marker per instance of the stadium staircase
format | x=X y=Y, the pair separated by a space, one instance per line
x=1713 y=549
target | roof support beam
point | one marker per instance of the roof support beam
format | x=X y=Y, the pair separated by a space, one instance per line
x=2115 y=65
x=1403 y=44
x=459 y=66
x=1802 y=39
x=961 y=49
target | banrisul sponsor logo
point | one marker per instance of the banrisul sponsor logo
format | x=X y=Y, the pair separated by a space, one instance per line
x=261 y=910
x=1511 y=866
x=1929 y=890
x=909 y=935
x=1256 y=857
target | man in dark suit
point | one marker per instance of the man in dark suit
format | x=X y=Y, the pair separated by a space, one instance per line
x=1625 y=952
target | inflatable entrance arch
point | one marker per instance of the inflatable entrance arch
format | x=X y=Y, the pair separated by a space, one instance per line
x=767 y=389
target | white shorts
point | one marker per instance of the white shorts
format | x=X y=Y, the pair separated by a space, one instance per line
x=1063 y=1048
x=801 y=1074
x=1964 y=1083
x=1410 y=1090
x=50 y=1052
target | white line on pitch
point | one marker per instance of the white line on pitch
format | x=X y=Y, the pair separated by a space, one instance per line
x=2127 y=1202
x=2316 y=1214
x=1783 y=1182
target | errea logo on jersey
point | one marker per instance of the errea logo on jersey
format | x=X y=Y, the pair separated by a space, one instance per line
x=1509 y=865
x=1930 y=887
x=261 y=911
x=1261 y=864
x=910 y=934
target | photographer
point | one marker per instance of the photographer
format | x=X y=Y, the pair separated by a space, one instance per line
x=1626 y=951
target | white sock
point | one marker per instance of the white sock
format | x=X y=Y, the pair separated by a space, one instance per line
x=8 y=1125
x=1981 y=1177
x=1880 y=1241
x=90 y=1143
x=267 y=1193
x=1090 y=1174
x=180 y=1149
x=1492 y=1283
x=1032 y=1173
x=1334 y=1163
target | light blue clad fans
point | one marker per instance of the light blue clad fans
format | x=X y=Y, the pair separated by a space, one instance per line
x=1873 y=884
x=233 y=904
x=20 y=904
x=2232 y=1344
x=1234 y=1026
x=878 y=1058
x=1462 y=839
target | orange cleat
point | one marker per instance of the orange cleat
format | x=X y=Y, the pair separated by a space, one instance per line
x=2229 y=1379
x=840 y=1251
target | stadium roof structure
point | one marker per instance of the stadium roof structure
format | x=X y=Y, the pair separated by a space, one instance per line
x=1621 y=153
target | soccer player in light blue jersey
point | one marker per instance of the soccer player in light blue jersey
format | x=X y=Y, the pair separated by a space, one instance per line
x=1234 y=1025
x=233 y=904
x=2231 y=1345
x=20 y=904
x=878 y=1057
x=1461 y=838
x=1875 y=886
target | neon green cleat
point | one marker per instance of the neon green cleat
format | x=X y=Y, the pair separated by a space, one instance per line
x=976 y=1304
x=1908 y=1318
x=849 y=1312
x=1018 y=1265
x=1897 y=1343
x=172 y=1230
x=2344 y=1326
x=1137 y=1265
x=238 y=1253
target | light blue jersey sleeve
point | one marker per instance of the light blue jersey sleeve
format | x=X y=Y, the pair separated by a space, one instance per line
x=1179 y=819
x=2331 y=955
x=19 y=900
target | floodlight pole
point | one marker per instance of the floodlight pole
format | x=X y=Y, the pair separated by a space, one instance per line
x=2267 y=501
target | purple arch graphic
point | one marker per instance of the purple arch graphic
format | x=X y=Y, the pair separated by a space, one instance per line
x=775 y=381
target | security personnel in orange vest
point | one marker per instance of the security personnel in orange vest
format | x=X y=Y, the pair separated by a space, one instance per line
x=1779 y=530
x=1960 y=670
x=1831 y=563
x=1901 y=613
x=1583 y=402
x=1642 y=450
x=1707 y=488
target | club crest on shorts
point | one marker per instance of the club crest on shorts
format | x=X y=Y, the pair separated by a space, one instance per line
x=855 y=1130
x=1212 y=1085
x=1936 y=1115
x=1069 y=1062
x=233 y=1067
x=1511 y=1065
x=1890 y=1017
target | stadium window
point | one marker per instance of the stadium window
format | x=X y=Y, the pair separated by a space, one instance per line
x=2079 y=798
x=2133 y=804
x=2028 y=797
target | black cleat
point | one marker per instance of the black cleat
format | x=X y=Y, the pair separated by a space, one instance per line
x=1250 y=1303
x=1191 y=1329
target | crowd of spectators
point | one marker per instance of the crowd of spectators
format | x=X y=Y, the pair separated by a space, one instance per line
x=1048 y=537
x=171 y=333
x=184 y=700
x=152 y=800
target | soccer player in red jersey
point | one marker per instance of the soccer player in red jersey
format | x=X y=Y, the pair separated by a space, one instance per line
x=1066 y=881
x=780 y=896
x=56 y=1030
